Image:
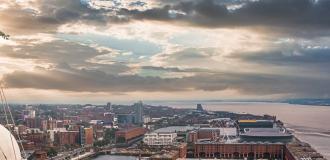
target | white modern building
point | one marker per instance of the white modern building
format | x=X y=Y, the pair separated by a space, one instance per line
x=159 y=139
x=231 y=132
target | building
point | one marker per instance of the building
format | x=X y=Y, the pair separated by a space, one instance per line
x=146 y=119
x=108 y=117
x=200 y=107
x=216 y=133
x=159 y=139
x=33 y=122
x=36 y=137
x=266 y=135
x=138 y=112
x=255 y=124
x=82 y=137
x=208 y=133
x=129 y=135
x=192 y=137
x=213 y=150
x=125 y=118
x=51 y=124
x=21 y=129
x=230 y=132
x=66 y=138
x=59 y=124
x=89 y=136
x=108 y=107
x=29 y=112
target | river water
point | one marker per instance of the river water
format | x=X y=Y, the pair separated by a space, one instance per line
x=310 y=123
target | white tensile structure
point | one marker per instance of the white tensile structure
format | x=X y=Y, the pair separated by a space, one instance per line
x=9 y=149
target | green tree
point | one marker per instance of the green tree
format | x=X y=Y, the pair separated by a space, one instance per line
x=110 y=134
x=51 y=152
x=4 y=35
x=121 y=140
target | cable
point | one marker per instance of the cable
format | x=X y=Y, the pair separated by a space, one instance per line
x=11 y=138
x=3 y=154
x=4 y=108
x=12 y=119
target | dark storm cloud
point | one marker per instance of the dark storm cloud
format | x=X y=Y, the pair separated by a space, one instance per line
x=288 y=14
x=69 y=79
x=312 y=58
x=63 y=11
x=305 y=14
x=309 y=61
x=51 y=14
x=294 y=57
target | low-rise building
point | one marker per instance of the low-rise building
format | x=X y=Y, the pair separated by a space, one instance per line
x=66 y=138
x=160 y=139
x=129 y=135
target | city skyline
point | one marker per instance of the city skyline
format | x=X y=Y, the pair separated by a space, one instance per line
x=92 y=51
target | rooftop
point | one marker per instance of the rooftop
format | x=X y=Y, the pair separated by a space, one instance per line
x=174 y=129
x=266 y=132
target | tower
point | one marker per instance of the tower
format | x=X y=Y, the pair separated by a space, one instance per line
x=200 y=107
x=108 y=107
x=138 y=112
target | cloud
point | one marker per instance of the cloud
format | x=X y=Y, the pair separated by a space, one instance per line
x=168 y=46
x=66 y=78
x=46 y=16
x=56 y=52
x=203 y=58
x=291 y=57
x=307 y=58
x=283 y=14
x=289 y=16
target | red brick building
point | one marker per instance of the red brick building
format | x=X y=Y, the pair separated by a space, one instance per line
x=208 y=133
x=33 y=122
x=192 y=137
x=239 y=150
x=89 y=136
x=37 y=138
x=127 y=135
x=67 y=138
x=182 y=150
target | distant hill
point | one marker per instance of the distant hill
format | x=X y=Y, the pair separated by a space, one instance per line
x=309 y=101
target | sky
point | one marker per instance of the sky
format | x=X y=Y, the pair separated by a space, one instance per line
x=94 y=51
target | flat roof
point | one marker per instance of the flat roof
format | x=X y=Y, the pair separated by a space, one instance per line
x=173 y=129
x=254 y=121
x=205 y=141
x=266 y=132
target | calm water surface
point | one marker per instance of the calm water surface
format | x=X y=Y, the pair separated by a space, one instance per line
x=111 y=157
